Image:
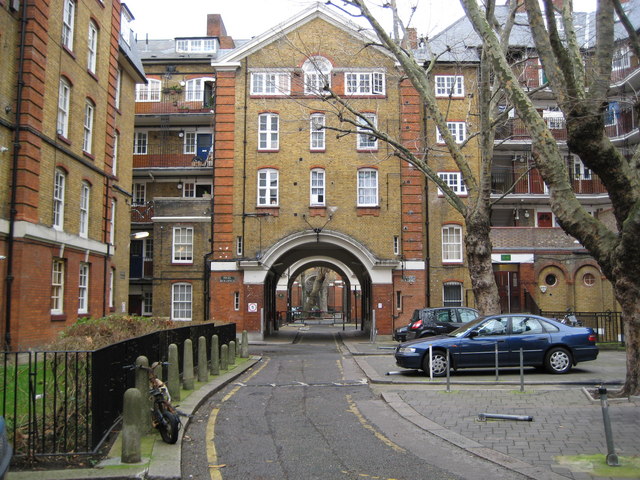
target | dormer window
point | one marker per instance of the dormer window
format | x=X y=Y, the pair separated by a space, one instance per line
x=196 y=45
x=317 y=76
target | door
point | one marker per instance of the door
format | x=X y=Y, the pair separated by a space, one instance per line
x=545 y=220
x=136 y=259
x=203 y=145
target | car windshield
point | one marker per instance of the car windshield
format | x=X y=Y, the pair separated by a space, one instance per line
x=460 y=332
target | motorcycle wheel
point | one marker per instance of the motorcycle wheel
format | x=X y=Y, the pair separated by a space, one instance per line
x=169 y=427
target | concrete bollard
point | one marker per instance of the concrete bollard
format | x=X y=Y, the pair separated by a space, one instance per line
x=203 y=367
x=215 y=356
x=131 y=435
x=188 y=379
x=173 y=373
x=142 y=384
x=224 y=357
x=244 y=345
x=232 y=353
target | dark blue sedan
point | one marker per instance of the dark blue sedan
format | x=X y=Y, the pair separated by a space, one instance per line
x=545 y=343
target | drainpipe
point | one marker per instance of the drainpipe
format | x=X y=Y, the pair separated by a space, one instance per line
x=14 y=179
x=427 y=258
x=207 y=265
x=244 y=152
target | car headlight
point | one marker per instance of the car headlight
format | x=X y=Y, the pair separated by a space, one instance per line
x=406 y=350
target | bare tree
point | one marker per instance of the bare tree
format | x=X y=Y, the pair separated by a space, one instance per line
x=580 y=80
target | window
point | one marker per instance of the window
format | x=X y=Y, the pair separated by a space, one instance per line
x=116 y=139
x=181 y=301
x=554 y=119
x=195 y=89
x=197 y=45
x=85 y=195
x=454 y=181
x=317 y=187
x=589 y=279
x=68 y=19
x=270 y=83
x=367 y=187
x=139 y=193
x=140 y=143
x=147 y=303
x=457 y=129
x=449 y=85
x=195 y=190
x=89 y=111
x=367 y=141
x=83 y=288
x=580 y=171
x=551 y=279
x=118 y=87
x=317 y=76
x=57 y=287
x=236 y=301
x=239 y=246
x=64 y=99
x=149 y=92
x=526 y=325
x=452 y=294
x=317 y=135
x=58 y=199
x=268 y=126
x=112 y=278
x=452 y=243
x=112 y=223
x=364 y=83
x=182 y=245
x=398 y=300
x=92 y=49
x=190 y=142
x=396 y=245
x=621 y=58
x=267 y=187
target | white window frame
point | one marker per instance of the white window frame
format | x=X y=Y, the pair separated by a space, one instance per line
x=87 y=138
x=236 y=301
x=59 y=186
x=271 y=83
x=454 y=181
x=85 y=199
x=367 y=187
x=112 y=223
x=317 y=76
x=580 y=170
x=457 y=129
x=83 y=288
x=68 y=22
x=57 y=286
x=364 y=83
x=140 y=143
x=195 y=89
x=197 y=45
x=317 y=187
x=449 y=85
x=112 y=279
x=365 y=140
x=147 y=304
x=182 y=245
x=118 y=92
x=239 y=246
x=149 y=92
x=139 y=194
x=116 y=140
x=554 y=119
x=268 y=187
x=268 y=131
x=396 y=245
x=190 y=142
x=449 y=302
x=452 y=244
x=317 y=133
x=182 y=302
x=621 y=58
x=64 y=100
x=92 y=49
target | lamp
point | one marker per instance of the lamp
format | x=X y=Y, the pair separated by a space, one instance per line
x=139 y=235
x=318 y=230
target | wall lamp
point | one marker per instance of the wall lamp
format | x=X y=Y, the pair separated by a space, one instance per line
x=318 y=230
x=139 y=235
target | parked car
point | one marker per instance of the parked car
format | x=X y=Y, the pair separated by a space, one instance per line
x=545 y=343
x=426 y=322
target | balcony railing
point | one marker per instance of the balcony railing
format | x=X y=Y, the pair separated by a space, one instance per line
x=515 y=130
x=621 y=121
x=519 y=181
x=176 y=101
x=169 y=154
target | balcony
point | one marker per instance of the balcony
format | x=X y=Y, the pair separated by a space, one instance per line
x=532 y=238
x=142 y=213
x=175 y=101
x=519 y=181
x=171 y=155
x=515 y=130
x=620 y=121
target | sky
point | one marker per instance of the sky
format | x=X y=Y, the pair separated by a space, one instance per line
x=244 y=19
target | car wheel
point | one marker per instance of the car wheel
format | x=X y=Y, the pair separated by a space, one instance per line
x=558 y=360
x=438 y=363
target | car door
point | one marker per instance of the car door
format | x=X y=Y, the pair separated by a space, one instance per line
x=529 y=334
x=465 y=315
x=479 y=348
x=443 y=320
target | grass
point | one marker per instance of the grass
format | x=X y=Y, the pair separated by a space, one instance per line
x=597 y=465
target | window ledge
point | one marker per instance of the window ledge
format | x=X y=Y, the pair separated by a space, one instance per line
x=58 y=317
x=273 y=211
x=89 y=155
x=64 y=139
x=66 y=49
x=368 y=211
x=93 y=75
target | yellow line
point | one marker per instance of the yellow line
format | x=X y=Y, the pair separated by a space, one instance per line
x=212 y=454
x=363 y=421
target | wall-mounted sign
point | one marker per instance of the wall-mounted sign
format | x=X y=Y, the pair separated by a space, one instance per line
x=227 y=279
x=252 y=307
x=409 y=278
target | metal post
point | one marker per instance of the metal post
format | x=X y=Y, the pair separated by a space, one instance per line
x=448 y=373
x=612 y=458
x=521 y=370
x=497 y=370
x=430 y=362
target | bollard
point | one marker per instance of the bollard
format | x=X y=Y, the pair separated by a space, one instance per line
x=142 y=384
x=448 y=373
x=224 y=357
x=232 y=353
x=244 y=346
x=173 y=373
x=521 y=369
x=612 y=458
x=131 y=435
x=497 y=416
x=497 y=369
x=188 y=380
x=215 y=356
x=203 y=368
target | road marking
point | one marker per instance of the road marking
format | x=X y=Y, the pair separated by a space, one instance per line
x=210 y=435
x=363 y=421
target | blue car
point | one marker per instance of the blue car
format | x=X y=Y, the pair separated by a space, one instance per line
x=545 y=343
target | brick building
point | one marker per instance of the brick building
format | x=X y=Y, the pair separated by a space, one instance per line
x=65 y=135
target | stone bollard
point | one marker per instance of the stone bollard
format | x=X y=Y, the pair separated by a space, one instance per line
x=215 y=356
x=244 y=345
x=224 y=357
x=142 y=384
x=131 y=435
x=203 y=367
x=232 y=353
x=173 y=373
x=188 y=379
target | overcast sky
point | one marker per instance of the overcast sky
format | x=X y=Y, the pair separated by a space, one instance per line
x=247 y=18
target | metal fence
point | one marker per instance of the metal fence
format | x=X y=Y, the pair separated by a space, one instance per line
x=66 y=403
x=608 y=325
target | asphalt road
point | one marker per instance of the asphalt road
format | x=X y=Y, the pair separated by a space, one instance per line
x=306 y=412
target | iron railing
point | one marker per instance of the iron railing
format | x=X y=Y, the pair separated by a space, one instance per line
x=608 y=325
